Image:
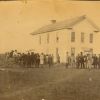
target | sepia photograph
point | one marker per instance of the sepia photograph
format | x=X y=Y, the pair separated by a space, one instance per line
x=49 y=50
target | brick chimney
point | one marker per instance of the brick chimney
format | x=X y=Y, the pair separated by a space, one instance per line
x=53 y=21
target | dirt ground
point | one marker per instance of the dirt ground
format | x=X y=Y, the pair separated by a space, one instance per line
x=56 y=83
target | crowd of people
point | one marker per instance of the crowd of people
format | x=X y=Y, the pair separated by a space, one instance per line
x=31 y=59
x=83 y=61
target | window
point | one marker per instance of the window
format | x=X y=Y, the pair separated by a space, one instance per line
x=82 y=37
x=39 y=39
x=91 y=38
x=73 y=37
x=47 y=38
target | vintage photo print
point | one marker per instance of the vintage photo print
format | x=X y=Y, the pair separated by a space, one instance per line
x=49 y=50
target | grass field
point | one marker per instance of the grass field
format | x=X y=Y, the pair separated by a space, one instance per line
x=56 y=83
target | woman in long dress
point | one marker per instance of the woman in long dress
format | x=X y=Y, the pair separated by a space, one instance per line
x=42 y=59
x=89 y=61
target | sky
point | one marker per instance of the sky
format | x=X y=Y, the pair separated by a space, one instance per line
x=19 y=18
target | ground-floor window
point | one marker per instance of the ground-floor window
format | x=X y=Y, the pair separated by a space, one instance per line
x=73 y=50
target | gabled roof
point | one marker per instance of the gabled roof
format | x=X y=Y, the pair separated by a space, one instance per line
x=63 y=25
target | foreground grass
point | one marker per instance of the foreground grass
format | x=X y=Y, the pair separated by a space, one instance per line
x=56 y=83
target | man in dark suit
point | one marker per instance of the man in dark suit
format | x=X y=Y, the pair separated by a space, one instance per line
x=81 y=60
x=95 y=61
x=99 y=61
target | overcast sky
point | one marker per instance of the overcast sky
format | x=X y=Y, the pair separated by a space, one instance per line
x=18 y=19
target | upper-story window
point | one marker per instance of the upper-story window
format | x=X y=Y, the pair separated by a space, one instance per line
x=72 y=36
x=82 y=37
x=91 y=38
x=48 y=38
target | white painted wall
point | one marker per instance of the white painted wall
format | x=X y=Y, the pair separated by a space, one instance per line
x=64 y=45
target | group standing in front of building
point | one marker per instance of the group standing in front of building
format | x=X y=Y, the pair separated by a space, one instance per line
x=31 y=59
x=83 y=61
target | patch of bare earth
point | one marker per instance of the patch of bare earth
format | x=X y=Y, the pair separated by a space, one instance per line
x=56 y=83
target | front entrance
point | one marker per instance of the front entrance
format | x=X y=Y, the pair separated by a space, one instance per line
x=73 y=51
x=88 y=51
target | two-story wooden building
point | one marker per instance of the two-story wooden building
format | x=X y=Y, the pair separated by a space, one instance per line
x=73 y=36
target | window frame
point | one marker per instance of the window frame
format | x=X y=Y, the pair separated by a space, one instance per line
x=48 y=38
x=82 y=37
x=91 y=38
x=72 y=36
